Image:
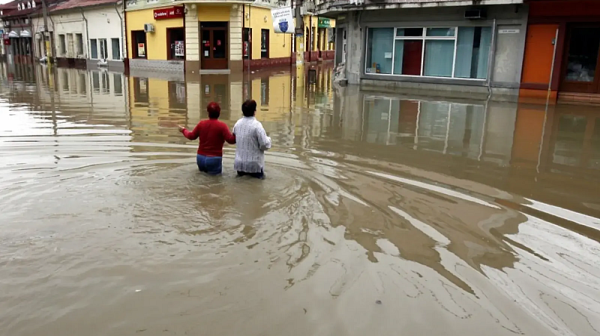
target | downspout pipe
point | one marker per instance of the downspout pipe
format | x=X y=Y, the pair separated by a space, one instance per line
x=122 y=34
x=87 y=36
x=491 y=58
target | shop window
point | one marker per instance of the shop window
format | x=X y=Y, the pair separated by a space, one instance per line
x=264 y=43
x=62 y=44
x=247 y=40
x=139 y=46
x=94 y=48
x=116 y=48
x=117 y=78
x=79 y=39
x=433 y=52
x=175 y=41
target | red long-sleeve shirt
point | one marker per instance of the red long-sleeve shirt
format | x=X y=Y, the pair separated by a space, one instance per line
x=213 y=134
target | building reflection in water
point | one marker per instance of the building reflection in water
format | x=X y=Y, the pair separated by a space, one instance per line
x=524 y=151
x=518 y=147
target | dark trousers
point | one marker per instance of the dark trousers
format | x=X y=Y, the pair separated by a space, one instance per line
x=260 y=175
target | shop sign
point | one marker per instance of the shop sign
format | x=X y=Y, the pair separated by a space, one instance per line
x=283 y=20
x=168 y=13
x=323 y=23
x=179 y=49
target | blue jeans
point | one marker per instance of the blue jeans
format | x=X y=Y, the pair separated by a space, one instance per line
x=212 y=165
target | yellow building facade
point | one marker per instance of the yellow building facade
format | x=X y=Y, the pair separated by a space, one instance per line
x=198 y=37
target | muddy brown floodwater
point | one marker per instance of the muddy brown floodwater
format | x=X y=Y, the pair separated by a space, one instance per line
x=381 y=214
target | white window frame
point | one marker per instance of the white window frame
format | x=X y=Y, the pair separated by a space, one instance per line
x=101 y=50
x=423 y=38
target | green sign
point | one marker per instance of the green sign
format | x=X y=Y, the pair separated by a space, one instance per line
x=323 y=23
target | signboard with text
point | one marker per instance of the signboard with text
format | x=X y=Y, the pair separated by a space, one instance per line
x=283 y=20
x=168 y=13
x=324 y=23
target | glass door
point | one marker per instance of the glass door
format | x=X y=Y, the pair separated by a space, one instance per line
x=214 y=45
x=581 y=61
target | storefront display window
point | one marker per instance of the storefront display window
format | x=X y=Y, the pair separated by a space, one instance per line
x=452 y=52
x=176 y=38
x=139 y=45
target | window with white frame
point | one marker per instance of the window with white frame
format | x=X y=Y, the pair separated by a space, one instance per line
x=93 y=49
x=103 y=49
x=452 y=52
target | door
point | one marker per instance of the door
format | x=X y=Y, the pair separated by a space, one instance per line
x=581 y=71
x=214 y=45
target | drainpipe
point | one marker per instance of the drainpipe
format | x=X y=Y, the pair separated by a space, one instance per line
x=122 y=25
x=491 y=60
x=87 y=35
x=125 y=47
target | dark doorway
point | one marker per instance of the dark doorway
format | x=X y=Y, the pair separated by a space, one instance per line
x=139 y=45
x=264 y=43
x=214 y=43
x=175 y=43
x=247 y=46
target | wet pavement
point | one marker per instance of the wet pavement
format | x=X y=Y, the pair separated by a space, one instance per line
x=381 y=214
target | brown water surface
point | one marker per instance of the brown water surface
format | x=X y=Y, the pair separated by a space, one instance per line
x=381 y=214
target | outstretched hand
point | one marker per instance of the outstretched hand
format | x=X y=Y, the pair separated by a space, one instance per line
x=181 y=128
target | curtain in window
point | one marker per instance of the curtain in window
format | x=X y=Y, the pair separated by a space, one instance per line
x=379 y=58
x=484 y=51
x=472 y=52
x=398 y=57
x=439 y=56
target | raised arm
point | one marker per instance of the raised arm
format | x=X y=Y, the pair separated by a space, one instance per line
x=193 y=135
x=263 y=140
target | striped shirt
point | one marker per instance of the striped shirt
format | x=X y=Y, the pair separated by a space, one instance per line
x=252 y=141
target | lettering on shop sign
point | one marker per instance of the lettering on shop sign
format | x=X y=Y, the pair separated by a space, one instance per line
x=509 y=31
x=168 y=13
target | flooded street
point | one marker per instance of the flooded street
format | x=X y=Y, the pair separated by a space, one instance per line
x=381 y=214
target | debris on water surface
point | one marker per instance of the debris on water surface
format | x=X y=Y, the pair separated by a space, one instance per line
x=378 y=301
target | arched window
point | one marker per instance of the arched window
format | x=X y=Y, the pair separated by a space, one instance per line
x=33 y=4
x=19 y=6
x=29 y=4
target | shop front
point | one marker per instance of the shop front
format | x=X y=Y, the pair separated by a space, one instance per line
x=439 y=50
x=156 y=38
x=562 y=51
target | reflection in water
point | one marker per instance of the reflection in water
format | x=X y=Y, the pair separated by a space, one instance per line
x=482 y=216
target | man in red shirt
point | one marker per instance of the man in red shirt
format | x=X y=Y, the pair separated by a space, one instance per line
x=213 y=134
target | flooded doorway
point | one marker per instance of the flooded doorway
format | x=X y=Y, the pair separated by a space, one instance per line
x=214 y=45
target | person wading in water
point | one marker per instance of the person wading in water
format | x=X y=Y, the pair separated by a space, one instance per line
x=252 y=142
x=213 y=134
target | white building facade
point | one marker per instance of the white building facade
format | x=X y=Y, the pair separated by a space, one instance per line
x=83 y=37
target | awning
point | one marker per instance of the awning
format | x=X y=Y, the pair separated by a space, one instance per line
x=25 y=33
x=13 y=34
